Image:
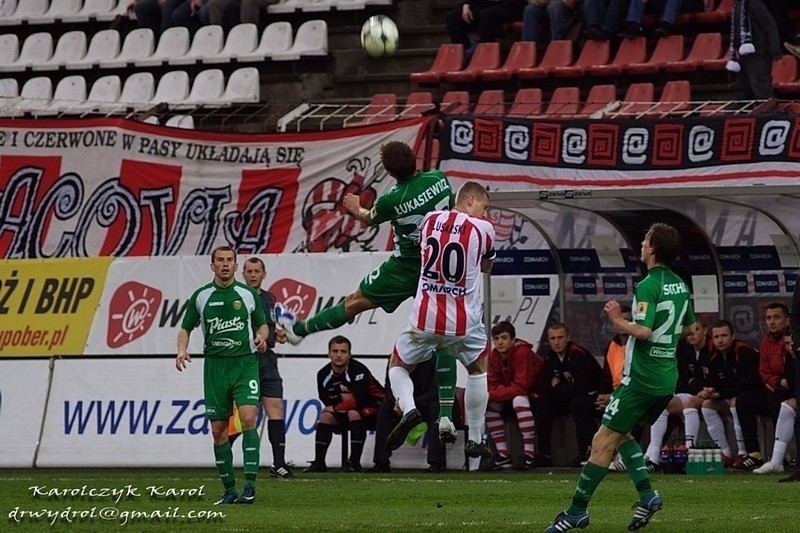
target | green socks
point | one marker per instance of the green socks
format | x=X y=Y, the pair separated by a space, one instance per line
x=250 y=452
x=632 y=456
x=591 y=476
x=223 y=454
x=446 y=381
x=330 y=318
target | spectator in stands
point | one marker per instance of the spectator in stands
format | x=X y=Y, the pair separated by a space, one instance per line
x=485 y=16
x=156 y=14
x=426 y=397
x=191 y=14
x=571 y=380
x=351 y=396
x=603 y=18
x=754 y=45
x=784 y=426
x=794 y=329
x=731 y=369
x=668 y=9
x=513 y=371
x=691 y=353
x=766 y=400
x=248 y=11
x=562 y=16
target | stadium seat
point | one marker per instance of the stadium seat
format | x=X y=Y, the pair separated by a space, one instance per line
x=277 y=38
x=207 y=89
x=69 y=93
x=103 y=96
x=7 y=8
x=491 y=102
x=185 y=122
x=785 y=74
x=449 y=57
x=557 y=54
x=26 y=9
x=287 y=6
x=243 y=87
x=139 y=44
x=316 y=6
x=311 y=40
x=242 y=39
x=120 y=10
x=9 y=94
x=207 y=42
x=599 y=97
x=91 y=9
x=630 y=51
x=417 y=104
x=104 y=45
x=486 y=56
x=382 y=107
x=675 y=99
x=70 y=47
x=668 y=48
x=36 y=94
x=706 y=49
x=37 y=48
x=174 y=42
x=638 y=98
x=521 y=55
x=527 y=103
x=9 y=48
x=348 y=5
x=564 y=103
x=57 y=11
x=720 y=13
x=593 y=53
x=137 y=91
x=455 y=103
x=173 y=87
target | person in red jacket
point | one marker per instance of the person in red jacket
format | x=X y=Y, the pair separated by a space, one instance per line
x=513 y=371
x=766 y=400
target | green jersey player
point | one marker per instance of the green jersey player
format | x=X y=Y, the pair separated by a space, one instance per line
x=228 y=312
x=662 y=311
x=404 y=206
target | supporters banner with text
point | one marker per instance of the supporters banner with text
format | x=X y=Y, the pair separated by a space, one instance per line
x=591 y=154
x=47 y=306
x=110 y=187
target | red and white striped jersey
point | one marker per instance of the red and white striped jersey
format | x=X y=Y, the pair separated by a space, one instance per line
x=449 y=298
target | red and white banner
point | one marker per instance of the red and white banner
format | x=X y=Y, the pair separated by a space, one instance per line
x=144 y=300
x=82 y=188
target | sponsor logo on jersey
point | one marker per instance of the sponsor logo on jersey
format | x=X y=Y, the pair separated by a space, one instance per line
x=215 y=304
x=217 y=325
x=443 y=289
x=131 y=312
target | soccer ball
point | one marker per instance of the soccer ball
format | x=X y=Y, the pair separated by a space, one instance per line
x=379 y=36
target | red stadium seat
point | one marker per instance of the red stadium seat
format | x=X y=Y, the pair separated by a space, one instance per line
x=638 y=99
x=599 y=97
x=382 y=108
x=455 y=103
x=717 y=15
x=417 y=104
x=490 y=102
x=486 y=56
x=592 y=54
x=706 y=52
x=449 y=57
x=527 y=103
x=564 y=103
x=675 y=99
x=557 y=54
x=785 y=74
x=630 y=51
x=668 y=48
x=521 y=55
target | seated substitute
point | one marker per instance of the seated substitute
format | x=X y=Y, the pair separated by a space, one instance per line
x=351 y=396
x=513 y=371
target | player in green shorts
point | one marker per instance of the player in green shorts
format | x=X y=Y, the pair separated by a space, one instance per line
x=228 y=312
x=404 y=206
x=662 y=312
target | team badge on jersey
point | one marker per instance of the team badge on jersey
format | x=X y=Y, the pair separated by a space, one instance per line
x=641 y=309
x=237 y=304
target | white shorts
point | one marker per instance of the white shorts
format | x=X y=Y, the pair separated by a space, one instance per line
x=415 y=346
x=684 y=396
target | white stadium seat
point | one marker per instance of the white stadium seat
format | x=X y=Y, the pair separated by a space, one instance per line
x=103 y=97
x=207 y=89
x=120 y=10
x=57 y=11
x=104 y=45
x=173 y=43
x=138 y=44
x=138 y=91
x=207 y=41
x=24 y=11
x=185 y=122
x=70 y=47
x=9 y=94
x=348 y=5
x=311 y=40
x=9 y=48
x=242 y=39
x=7 y=8
x=277 y=37
x=36 y=94
x=173 y=88
x=70 y=92
x=92 y=9
x=244 y=87
x=37 y=48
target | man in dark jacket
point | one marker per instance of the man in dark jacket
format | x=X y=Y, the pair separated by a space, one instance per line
x=513 y=378
x=731 y=369
x=350 y=394
x=754 y=45
x=571 y=380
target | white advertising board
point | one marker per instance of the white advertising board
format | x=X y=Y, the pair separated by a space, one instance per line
x=23 y=392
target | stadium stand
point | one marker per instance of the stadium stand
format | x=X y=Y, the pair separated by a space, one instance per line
x=276 y=38
x=37 y=48
x=103 y=96
x=485 y=57
x=592 y=54
x=92 y=9
x=785 y=75
x=491 y=102
x=668 y=49
x=706 y=52
x=599 y=97
x=527 y=103
x=173 y=42
x=207 y=42
x=638 y=99
x=311 y=40
x=417 y=104
x=56 y=11
x=139 y=44
x=25 y=10
x=455 y=103
x=448 y=58
x=381 y=108
x=521 y=55
x=629 y=51
x=557 y=54
x=69 y=92
x=242 y=40
x=104 y=45
x=564 y=103
x=70 y=47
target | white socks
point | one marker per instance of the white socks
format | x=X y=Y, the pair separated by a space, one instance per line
x=737 y=430
x=476 y=397
x=657 y=432
x=691 y=424
x=717 y=430
x=784 y=430
x=402 y=387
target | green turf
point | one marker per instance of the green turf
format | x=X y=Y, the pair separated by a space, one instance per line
x=456 y=501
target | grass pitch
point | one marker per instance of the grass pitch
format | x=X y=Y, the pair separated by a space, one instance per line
x=86 y=500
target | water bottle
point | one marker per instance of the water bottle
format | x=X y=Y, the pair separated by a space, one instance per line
x=666 y=454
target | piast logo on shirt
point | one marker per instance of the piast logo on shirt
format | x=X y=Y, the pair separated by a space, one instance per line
x=237 y=304
x=641 y=308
